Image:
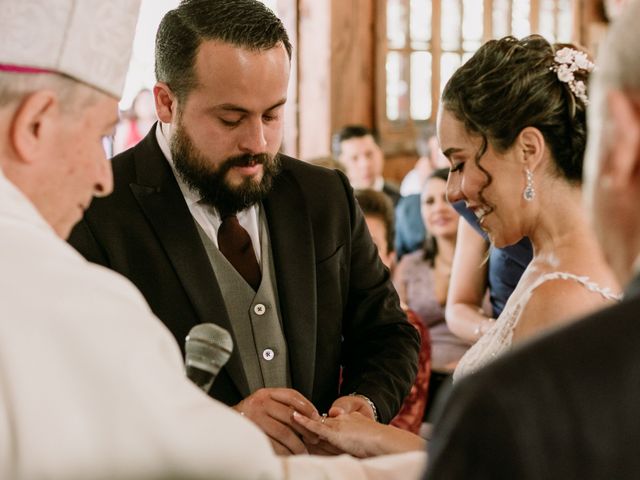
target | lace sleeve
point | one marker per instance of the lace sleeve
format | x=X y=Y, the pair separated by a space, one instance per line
x=499 y=338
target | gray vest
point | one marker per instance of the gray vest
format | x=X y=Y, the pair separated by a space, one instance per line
x=255 y=316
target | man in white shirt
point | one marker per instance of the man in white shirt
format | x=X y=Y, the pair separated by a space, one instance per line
x=91 y=383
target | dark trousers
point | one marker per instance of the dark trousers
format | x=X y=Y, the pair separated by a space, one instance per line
x=436 y=381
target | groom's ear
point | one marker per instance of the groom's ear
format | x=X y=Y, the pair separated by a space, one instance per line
x=166 y=102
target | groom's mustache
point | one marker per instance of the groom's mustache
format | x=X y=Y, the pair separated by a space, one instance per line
x=246 y=160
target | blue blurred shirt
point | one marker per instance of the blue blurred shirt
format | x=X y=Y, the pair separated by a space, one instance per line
x=505 y=264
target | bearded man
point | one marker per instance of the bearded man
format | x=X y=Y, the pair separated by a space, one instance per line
x=212 y=224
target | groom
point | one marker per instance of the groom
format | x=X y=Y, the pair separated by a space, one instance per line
x=568 y=405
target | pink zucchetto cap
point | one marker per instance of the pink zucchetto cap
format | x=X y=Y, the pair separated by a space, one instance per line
x=88 y=40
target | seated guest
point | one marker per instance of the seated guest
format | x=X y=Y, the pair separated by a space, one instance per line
x=422 y=279
x=356 y=147
x=410 y=231
x=478 y=267
x=136 y=122
x=430 y=158
x=378 y=213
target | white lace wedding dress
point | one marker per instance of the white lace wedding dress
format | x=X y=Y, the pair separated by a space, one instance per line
x=498 y=339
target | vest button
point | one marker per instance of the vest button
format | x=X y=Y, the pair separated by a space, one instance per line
x=268 y=354
x=259 y=309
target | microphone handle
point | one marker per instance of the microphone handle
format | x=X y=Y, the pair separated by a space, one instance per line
x=201 y=378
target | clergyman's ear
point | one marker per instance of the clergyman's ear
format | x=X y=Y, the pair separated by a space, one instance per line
x=33 y=122
x=622 y=164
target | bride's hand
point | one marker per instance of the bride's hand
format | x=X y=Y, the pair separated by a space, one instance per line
x=360 y=436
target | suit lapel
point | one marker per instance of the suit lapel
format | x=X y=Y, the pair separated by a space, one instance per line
x=162 y=203
x=294 y=259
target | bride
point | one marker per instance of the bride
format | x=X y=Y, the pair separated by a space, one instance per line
x=512 y=124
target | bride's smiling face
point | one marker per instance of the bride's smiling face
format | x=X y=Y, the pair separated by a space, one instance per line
x=491 y=186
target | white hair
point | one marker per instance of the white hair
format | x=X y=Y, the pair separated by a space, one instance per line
x=71 y=93
x=617 y=68
x=619 y=57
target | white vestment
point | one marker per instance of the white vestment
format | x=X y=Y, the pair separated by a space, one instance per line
x=92 y=385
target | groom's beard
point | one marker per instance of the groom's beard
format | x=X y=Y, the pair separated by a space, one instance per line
x=210 y=180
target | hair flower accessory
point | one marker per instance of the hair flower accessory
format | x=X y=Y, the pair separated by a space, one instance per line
x=567 y=61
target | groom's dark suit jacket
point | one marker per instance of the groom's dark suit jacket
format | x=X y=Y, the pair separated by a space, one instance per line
x=565 y=406
x=337 y=303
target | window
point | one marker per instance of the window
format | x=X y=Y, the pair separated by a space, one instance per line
x=425 y=41
x=272 y=4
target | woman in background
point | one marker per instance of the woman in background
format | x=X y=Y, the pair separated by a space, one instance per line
x=422 y=279
x=135 y=122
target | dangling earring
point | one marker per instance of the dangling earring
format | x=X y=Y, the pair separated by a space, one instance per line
x=529 y=192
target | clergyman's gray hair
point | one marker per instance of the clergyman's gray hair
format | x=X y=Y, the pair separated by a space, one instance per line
x=619 y=57
x=71 y=93
x=617 y=68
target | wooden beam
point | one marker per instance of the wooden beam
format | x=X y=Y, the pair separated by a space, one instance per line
x=314 y=79
x=352 y=63
x=288 y=13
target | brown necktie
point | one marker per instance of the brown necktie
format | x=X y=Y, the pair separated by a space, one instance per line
x=235 y=244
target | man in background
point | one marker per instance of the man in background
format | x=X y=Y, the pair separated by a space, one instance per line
x=567 y=405
x=212 y=224
x=357 y=148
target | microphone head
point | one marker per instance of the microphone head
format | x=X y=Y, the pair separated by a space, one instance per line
x=208 y=347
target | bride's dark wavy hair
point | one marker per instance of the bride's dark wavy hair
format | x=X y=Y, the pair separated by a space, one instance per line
x=508 y=85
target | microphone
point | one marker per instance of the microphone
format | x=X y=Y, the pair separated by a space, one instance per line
x=207 y=349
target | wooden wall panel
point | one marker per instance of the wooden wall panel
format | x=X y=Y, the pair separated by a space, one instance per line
x=352 y=62
x=314 y=78
x=288 y=12
x=335 y=74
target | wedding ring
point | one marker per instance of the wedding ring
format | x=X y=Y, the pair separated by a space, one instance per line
x=324 y=417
